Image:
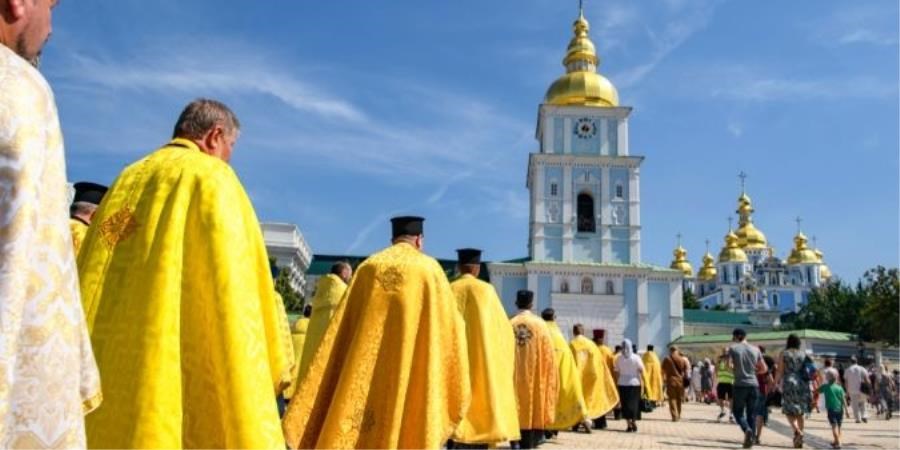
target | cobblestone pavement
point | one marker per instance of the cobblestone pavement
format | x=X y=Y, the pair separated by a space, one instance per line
x=698 y=429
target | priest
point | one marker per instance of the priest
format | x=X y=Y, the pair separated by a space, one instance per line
x=653 y=385
x=392 y=369
x=491 y=347
x=179 y=297
x=87 y=197
x=571 y=411
x=536 y=377
x=600 y=392
x=48 y=379
x=329 y=292
x=299 y=331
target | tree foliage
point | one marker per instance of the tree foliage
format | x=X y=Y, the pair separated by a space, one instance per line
x=881 y=314
x=689 y=300
x=293 y=300
x=869 y=311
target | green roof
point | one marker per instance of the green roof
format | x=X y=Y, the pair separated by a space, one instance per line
x=769 y=336
x=716 y=317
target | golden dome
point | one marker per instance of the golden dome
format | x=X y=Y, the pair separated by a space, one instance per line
x=824 y=271
x=749 y=237
x=731 y=252
x=582 y=85
x=708 y=271
x=801 y=254
x=681 y=263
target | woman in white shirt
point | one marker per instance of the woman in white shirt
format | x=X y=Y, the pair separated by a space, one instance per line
x=629 y=368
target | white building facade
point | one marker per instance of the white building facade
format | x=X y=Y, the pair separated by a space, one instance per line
x=289 y=250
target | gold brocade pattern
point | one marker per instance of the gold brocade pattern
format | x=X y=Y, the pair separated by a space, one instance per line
x=298 y=338
x=189 y=336
x=491 y=347
x=78 y=229
x=48 y=378
x=570 y=407
x=390 y=371
x=536 y=376
x=118 y=226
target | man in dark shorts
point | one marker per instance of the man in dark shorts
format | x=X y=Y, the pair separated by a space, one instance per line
x=724 y=386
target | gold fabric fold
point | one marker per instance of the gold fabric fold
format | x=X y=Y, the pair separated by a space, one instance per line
x=179 y=298
x=391 y=371
x=536 y=377
x=298 y=337
x=330 y=290
x=491 y=346
x=598 y=385
x=570 y=407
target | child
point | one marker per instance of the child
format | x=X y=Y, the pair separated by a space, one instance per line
x=836 y=404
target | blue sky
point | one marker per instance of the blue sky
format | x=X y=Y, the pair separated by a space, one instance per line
x=354 y=111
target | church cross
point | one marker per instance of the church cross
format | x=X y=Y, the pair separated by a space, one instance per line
x=730 y=222
x=679 y=238
x=798 y=220
x=707 y=245
x=743 y=177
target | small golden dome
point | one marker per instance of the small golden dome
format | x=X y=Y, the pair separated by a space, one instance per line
x=824 y=271
x=708 y=271
x=801 y=254
x=749 y=237
x=582 y=85
x=731 y=252
x=681 y=263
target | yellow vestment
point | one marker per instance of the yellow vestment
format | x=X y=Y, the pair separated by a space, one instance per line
x=329 y=292
x=298 y=336
x=182 y=310
x=598 y=385
x=78 y=229
x=48 y=378
x=287 y=347
x=570 y=407
x=653 y=386
x=491 y=418
x=391 y=371
x=536 y=376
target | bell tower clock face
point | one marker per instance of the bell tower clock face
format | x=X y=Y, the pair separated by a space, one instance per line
x=585 y=128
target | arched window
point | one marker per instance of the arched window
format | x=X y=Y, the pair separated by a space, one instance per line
x=610 y=287
x=586 y=213
x=774 y=299
x=620 y=191
x=587 y=285
x=564 y=287
x=554 y=189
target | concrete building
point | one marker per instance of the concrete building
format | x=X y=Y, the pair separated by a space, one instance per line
x=289 y=250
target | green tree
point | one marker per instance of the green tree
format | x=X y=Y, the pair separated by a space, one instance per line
x=832 y=307
x=293 y=300
x=689 y=300
x=880 y=287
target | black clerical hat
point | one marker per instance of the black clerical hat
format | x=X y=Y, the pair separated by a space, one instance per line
x=524 y=298
x=406 y=225
x=469 y=256
x=89 y=192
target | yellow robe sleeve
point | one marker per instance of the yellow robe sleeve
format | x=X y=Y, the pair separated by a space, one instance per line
x=180 y=301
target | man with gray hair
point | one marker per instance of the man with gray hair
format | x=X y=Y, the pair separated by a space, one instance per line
x=180 y=302
x=48 y=378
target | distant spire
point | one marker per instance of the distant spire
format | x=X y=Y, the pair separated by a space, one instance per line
x=730 y=223
x=743 y=177
x=707 y=245
x=815 y=242
x=679 y=238
x=581 y=8
x=799 y=221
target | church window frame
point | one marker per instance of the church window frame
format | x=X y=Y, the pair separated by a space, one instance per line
x=554 y=189
x=620 y=191
x=585 y=208
x=587 y=285
x=610 y=287
x=564 y=286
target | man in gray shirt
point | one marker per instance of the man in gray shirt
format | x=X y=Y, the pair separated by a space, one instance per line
x=745 y=361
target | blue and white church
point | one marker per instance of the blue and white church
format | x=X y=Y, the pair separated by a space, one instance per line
x=584 y=241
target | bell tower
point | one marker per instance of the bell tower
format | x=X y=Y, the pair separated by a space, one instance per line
x=584 y=185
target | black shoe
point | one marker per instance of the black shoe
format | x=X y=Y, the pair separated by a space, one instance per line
x=748 y=439
x=865 y=420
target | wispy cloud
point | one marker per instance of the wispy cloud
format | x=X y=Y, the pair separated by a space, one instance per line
x=735 y=128
x=687 y=20
x=857 y=23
